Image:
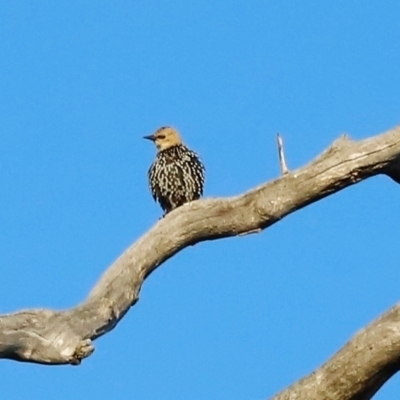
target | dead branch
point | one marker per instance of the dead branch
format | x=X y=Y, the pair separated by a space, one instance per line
x=355 y=372
x=281 y=154
x=359 y=369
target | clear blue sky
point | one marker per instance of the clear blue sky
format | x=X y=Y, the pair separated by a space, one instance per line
x=81 y=82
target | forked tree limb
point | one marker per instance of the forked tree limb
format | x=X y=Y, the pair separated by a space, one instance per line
x=355 y=372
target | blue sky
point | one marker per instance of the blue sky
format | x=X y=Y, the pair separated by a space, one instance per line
x=240 y=318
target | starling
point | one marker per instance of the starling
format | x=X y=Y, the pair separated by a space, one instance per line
x=177 y=174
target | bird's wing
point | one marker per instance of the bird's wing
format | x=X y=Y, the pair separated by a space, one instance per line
x=150 y=176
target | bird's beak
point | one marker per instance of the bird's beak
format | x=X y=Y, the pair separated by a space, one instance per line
x=150 y=137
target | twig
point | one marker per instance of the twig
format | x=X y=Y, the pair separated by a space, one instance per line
x=282 y=160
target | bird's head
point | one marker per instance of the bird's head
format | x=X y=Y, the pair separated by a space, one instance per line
x=165 y=137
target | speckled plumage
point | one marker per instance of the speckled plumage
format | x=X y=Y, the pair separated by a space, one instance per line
x=177 y=174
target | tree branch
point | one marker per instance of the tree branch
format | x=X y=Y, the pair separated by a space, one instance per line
x=359 y=369
x=62 y=337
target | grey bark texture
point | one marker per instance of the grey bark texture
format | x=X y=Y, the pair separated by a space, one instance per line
x=356 y=371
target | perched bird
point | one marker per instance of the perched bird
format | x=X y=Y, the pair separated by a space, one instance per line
x=177 y=174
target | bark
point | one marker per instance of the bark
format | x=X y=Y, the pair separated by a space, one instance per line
x=357 y=371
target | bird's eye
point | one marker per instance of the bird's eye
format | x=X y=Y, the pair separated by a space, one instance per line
x=160 y=136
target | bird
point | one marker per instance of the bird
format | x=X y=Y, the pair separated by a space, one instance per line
x=177 y=174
